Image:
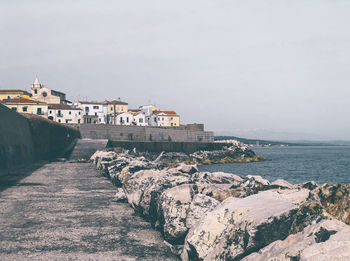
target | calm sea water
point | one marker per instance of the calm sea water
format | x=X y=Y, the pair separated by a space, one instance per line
x=295 y=164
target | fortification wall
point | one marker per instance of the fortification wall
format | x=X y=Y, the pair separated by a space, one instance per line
x=16 y=145
x=26 y=138
x=138 y=133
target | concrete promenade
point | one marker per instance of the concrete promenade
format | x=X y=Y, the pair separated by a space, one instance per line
x=65 y=211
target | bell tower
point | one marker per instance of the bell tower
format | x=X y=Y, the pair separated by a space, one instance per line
x=36 y=86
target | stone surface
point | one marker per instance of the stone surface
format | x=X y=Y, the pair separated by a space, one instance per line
x=336 y=200
x=120 y=196
x=173 y=205
x=238 y=226
x=65 y=211
x=328 y=240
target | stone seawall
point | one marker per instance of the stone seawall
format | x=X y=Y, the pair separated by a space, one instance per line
x=26 y=138
x=159 y=146
x=147 y=133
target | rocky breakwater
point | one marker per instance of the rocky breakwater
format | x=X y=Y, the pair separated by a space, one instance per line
x=221 y=216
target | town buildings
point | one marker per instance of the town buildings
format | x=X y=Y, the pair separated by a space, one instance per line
x=44 y=94
x=93 y=112
x=64 y=113
x=53 y=105
x=24 y=105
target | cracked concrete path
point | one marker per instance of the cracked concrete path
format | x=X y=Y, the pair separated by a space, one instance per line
x=64 y=211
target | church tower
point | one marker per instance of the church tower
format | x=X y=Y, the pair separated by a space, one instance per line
x=36 y=86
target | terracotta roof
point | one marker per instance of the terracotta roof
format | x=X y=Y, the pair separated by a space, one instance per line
x=117 y=102
x=12 y=91
x=87 y=102
x=21 y=100
x=62 y=107
x=172 y=113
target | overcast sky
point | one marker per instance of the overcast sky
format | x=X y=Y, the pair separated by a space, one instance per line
x=241 y=67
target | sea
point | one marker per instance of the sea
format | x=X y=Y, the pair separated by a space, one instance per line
x=322 y=164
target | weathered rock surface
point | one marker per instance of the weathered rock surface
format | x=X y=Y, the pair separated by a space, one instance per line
x=328 y=240
x=120 y=196
x=239 y=226
x=336 y=200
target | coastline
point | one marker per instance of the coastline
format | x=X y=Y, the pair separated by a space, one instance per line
x=184 y=203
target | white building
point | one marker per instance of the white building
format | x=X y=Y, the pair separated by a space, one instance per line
x=93 y=112
x=125 y=118
x=139 y=119
x=63 y=113
x=147 y=109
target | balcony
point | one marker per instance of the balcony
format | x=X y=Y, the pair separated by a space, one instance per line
x=59 y=115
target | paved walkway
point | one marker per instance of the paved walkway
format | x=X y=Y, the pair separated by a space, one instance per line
x=64 y=211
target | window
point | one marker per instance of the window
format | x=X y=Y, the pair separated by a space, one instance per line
x=155 y=119
x=14 y=109
x=87 y=109
x=35 y=91
x=59 y=113
x=163 y=119
x=79 y=121
x=38 y=111
x=140 y=120
x=44 y=94
x=25 y=109
x=70 y=113
x=59 y=120
x=127 y=119
x=95 y=113
x=8 y=97
x=99 y=119
x=79 y=113
x=50 y=112
x=111 y=108
x=66 y=121
x=96 y=107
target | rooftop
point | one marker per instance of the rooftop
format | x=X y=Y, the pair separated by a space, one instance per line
x=88 y=102
x=13 y=91
x=21 y=100
x=170 y=113
x=117 y=102
x=62 y=107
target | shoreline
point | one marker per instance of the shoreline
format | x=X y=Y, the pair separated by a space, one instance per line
x=184 y=203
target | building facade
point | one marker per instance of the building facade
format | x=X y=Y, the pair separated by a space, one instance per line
x=23 y=105
x=113 y=109
x=10 y=94
x=63 y=113
x=93 y=112
x=43 y=94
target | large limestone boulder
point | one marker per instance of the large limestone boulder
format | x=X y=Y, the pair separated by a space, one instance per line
x=325 y=241
x=240 y=225
x=336 y=200
x=173 y=205
x=199 y=207
x=144 y=187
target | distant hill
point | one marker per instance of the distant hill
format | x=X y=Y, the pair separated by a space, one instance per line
x=258 y=142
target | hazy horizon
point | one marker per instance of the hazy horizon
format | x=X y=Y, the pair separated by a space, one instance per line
x=242 y=67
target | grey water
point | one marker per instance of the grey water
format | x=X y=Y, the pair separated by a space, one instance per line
x=323 y=164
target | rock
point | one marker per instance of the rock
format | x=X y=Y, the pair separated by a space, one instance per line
x=254 y=180
x=173 y=205
x=327 y=240
x=218 y=177
x=311 y=185
x=144 y=187
x=336 y=200
x=219 y=192
x=238 y=226
x=120 y=196
x=200 y=205
x=184 y=168
x=282 y=184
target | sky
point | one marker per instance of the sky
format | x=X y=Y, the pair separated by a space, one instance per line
x=260 y=69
